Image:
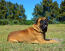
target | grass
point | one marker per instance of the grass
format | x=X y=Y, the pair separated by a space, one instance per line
x=55 y=31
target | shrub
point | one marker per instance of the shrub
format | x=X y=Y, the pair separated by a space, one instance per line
x=29 y=22
x=4 y=22
x=11 y=22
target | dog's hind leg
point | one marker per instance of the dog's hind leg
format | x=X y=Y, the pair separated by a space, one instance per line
x=12 y=40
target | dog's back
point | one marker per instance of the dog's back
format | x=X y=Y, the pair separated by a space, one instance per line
x=22 y=35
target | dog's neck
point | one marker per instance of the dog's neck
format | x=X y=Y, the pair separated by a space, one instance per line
x=38 y=30
x=36 y=27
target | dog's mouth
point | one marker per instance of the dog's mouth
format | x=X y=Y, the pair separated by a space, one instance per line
x=44 y=26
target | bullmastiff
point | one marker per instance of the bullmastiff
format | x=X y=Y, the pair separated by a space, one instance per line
x=34 y=34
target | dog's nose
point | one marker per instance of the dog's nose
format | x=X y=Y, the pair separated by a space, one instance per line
x=45 y=23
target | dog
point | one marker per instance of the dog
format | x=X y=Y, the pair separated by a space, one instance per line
x=34 y=34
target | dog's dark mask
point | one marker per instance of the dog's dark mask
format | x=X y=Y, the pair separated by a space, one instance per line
x=44 y=25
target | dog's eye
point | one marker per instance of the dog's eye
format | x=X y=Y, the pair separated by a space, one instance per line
x=41 y=21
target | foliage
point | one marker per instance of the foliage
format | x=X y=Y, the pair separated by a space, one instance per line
x=61 y=16
x=51 y=10
x=11 y=12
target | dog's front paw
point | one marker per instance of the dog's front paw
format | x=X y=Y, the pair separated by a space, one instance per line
x=53 y=41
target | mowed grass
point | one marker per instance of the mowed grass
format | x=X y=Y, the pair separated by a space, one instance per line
x=55 y=31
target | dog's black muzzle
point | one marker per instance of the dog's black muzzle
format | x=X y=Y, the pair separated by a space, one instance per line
x=43 y=25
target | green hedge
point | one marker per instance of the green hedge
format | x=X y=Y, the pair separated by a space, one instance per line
x=26 y=22
x=12 y=22
x=6 y=22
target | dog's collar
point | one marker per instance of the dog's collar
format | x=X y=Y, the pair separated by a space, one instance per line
x=36 y=27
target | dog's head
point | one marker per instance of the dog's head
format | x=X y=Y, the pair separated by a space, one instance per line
x=42 y=23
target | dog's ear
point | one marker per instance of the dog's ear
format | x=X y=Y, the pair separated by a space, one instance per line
x=36 y=21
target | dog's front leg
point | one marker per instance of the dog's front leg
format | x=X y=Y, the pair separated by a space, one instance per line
x=42 y=41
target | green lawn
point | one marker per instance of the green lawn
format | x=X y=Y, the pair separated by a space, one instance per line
x=55 y=31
